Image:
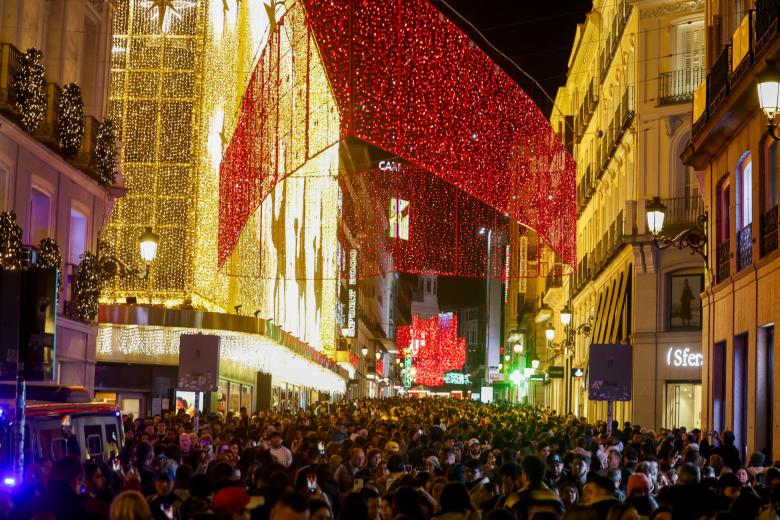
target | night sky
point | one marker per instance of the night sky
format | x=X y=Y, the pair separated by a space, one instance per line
x=536 y=34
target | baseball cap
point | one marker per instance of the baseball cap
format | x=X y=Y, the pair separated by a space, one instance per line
x=473 y=441
x=233 y=500
x=392 y=446
x=555 y=458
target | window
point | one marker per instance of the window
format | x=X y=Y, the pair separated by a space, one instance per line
x=77 y=239
x=40 y=217
x=745 y=191
x=723 y=206
x=94 y=438
x=4 y=189
x=399 y=219
x=690 y=52
x=769 y=176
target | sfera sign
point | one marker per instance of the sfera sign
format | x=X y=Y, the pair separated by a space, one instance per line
x=683 y=357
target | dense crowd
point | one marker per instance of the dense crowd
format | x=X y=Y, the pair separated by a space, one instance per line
x=404 y=460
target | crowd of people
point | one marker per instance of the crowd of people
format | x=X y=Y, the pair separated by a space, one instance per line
x=403 y=459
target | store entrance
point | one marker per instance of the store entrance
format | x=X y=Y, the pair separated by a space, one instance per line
x=683 y=404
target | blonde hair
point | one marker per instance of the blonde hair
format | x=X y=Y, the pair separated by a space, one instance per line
x=130 y=505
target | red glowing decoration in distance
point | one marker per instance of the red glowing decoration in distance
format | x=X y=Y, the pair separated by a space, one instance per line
x=410 y=82
x=434 y=347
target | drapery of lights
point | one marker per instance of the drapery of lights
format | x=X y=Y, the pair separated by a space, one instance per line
x=410 y=82
x=430 y=348
x=415 y=222
x=244 y=353
x=288 y=117
x=153 y=102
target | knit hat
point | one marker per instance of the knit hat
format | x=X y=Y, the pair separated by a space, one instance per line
x=638 y=482
x=434 y=461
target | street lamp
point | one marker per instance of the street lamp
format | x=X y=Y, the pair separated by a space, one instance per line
x=768 y=86
x=534 y=363
x=549 y=332
x=378 y=356
x=364 y=350
x=109 y=265
x=518 y=348
x=566 y=316
x=507 y=357
x=694 y=236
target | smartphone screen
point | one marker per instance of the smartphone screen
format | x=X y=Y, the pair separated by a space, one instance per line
x=311 y=483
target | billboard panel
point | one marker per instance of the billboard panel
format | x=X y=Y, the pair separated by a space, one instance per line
x=609 y=372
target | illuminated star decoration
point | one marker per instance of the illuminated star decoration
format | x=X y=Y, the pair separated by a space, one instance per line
x=164 y=11
x=270 y=9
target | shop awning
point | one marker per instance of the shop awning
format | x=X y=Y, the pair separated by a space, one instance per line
x=613 y=309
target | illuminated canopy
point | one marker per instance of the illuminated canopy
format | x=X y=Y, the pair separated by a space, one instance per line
x=411 y=83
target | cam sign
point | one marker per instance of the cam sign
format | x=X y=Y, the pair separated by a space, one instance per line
x=683 y=357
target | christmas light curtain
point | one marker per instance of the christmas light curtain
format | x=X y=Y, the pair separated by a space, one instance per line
x=411 y=83
x=430 y=348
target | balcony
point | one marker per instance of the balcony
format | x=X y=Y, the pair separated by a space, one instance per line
x=607 y=247
x=587 y=109
x=723 y=258
x=46 y=132
x=769 y=231
x=678 y=86
x=610 y=141
x=681 y=213
x=619 y=22
x=744 y=247
x=728 y=92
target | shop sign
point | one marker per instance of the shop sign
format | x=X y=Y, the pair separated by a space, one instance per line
x=683 y=357
x=456 y=378
x=389 y=166
x=555 y=372
x=350 y=330
x=537 y=378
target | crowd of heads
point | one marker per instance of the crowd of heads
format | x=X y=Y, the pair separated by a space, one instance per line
x=399 y=459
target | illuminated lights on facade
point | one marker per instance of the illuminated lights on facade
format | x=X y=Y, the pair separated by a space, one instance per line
x=239 y=353
x=430 y=349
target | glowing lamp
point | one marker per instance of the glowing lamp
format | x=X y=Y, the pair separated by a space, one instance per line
x=148 y=243
x=768 y=85
x=549 y=333
x=656 y=211
x=534 y=364
x=9 y=481
x=506 y=358
x=518 y=348
x=566 y=316
x=364 y=350
x=378 y=356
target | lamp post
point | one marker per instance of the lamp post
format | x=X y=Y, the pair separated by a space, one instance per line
x=569 y=341
x=694 y=236
x=110 y=266
x=768 y=86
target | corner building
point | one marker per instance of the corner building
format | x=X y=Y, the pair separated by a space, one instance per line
x=626 y=115
x=284 y=165
x=731 y=145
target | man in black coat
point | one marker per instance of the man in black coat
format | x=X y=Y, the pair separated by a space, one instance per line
x=61 y=498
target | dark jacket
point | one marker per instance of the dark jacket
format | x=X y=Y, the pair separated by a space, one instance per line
x=59 y=500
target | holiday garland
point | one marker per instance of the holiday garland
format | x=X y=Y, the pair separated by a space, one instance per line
x=10 y=242
x=105 y=153
x=86 y=288
x=29 y=88
x=70 y=124
x=49 y=256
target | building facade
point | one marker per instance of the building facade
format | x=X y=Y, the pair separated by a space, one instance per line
x=626 y=107
x=732 y=146
x=55 y=194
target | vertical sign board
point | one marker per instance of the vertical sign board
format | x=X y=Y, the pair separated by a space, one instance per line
x=350 y=331
x=609 y=372
x=198 y=363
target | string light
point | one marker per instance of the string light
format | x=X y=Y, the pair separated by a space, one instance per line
x=242 y=354
x=433 y=346
x=410 y=82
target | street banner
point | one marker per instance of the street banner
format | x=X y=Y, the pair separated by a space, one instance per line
x=198 y=363
x=609 y=372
